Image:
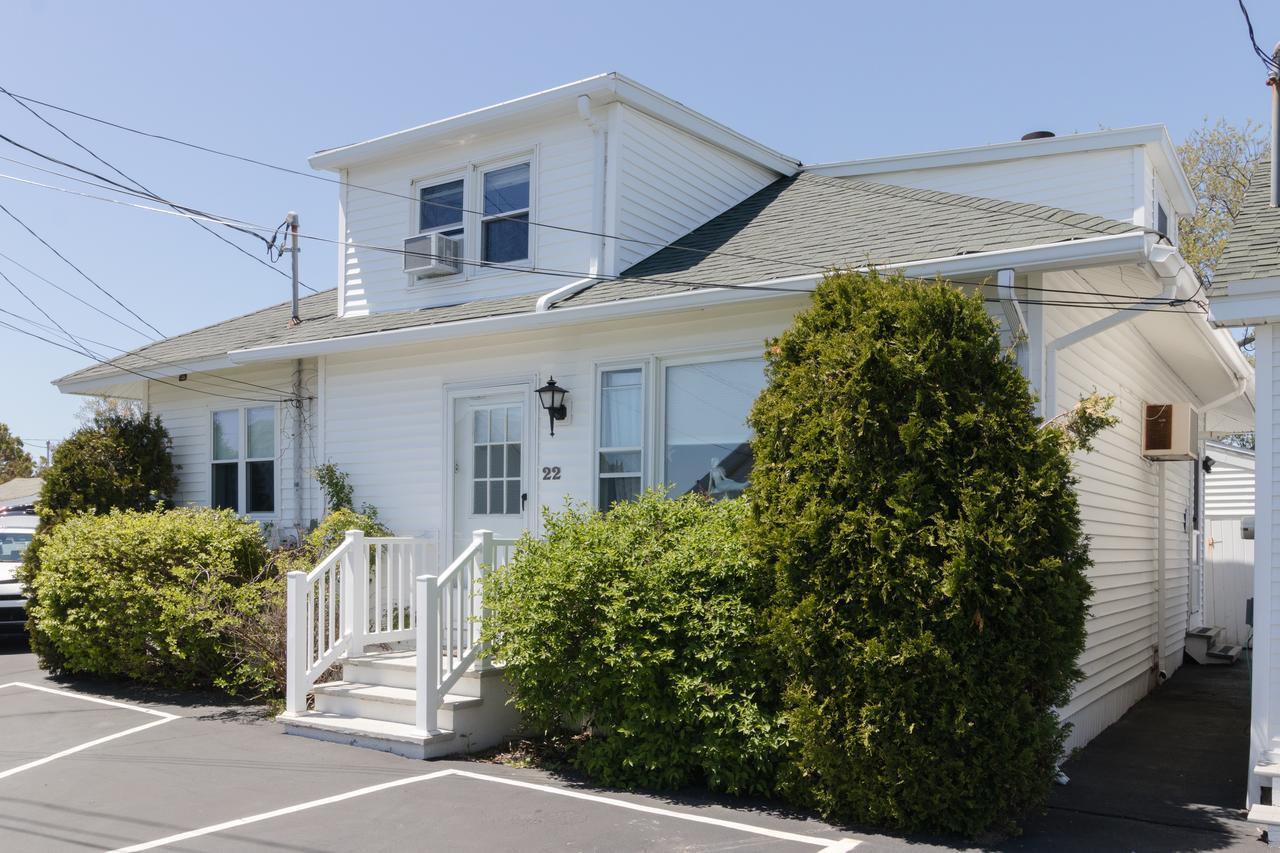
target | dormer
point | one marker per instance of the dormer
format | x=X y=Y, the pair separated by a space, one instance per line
x=512 y=200
x=1131 y=174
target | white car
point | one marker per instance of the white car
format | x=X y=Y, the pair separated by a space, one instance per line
x=16 y=529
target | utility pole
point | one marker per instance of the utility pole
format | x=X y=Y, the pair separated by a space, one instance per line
x=292 y=219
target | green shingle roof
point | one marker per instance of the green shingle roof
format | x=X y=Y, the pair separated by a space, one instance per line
x=795 y=226
x=1253 y=247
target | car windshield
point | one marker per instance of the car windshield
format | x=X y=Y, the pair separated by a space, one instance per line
x=12 y=544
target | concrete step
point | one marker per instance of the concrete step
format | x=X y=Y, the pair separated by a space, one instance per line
x=381 y=702
x=1199 y=641
x=1224 y=654
x=1266 y=769
x=397 y=738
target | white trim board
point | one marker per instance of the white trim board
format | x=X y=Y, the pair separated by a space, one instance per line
x=164 y=717
x=825 y=845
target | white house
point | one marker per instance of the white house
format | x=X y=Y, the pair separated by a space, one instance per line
x=640 y=253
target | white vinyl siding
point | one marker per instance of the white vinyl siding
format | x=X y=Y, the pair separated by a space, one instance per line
x=1118 y=493
x=670 y=183
x=187 y=415
x=1099 y=182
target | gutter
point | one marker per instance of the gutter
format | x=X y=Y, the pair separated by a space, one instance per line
x=1130 y=247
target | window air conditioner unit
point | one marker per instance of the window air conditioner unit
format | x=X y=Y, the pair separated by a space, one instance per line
x=1170 y=431
x=431 y=255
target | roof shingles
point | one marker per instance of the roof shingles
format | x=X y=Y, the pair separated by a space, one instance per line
x=1253 y=247
x=798 y=225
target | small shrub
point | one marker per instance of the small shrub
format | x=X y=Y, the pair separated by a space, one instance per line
x=330 y=532
x=148 y=595
x=640 y=626
x=336 y=485
x=929 y=554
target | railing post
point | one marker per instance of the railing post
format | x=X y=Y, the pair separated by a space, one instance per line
x=427 y=631
x=358 y=593
x=295 y=701
x=484 y=562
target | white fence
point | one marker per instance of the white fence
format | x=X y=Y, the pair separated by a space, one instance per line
x=377 y=590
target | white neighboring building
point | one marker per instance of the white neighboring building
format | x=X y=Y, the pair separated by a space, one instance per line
x=417 y=373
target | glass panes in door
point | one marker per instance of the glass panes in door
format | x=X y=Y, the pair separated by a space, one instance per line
x=496 y=465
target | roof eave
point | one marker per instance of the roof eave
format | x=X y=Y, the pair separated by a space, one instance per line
x=1130 y=247
x=606 y=88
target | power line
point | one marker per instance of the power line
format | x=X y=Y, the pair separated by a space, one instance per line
x=82 y=273
x=140 y=186
x=110 y=363
x=675 y=246
x=204 y=375
x=74 y=296
x=1267 y=59
x=523 y=269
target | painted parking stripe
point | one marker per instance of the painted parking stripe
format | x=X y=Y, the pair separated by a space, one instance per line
x=827 y=845
x=162 y=718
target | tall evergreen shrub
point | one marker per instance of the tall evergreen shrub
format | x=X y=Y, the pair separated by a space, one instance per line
x=929 y=556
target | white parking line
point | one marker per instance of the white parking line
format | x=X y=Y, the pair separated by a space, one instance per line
x=163 y=716
x=827 y=845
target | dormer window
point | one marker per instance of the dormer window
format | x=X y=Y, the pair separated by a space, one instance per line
x=504 y=227
x=440 y=209
x=1162 y=221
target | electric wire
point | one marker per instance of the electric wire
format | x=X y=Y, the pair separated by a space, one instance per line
x=82 y=273
x=542 y=271
x=675 y=246
x=140 y=186
x=74 y=296
x=203 y=375
x=1267 y=59
x=110 y=363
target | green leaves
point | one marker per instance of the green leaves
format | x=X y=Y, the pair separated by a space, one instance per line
x=928 y=554
x=642 y=627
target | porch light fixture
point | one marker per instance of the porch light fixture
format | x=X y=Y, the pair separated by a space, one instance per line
x=552 y=397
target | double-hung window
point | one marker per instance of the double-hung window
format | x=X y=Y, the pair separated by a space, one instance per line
x=440 y=210
x=621 y=460
x=504 y=225
x=243 y=466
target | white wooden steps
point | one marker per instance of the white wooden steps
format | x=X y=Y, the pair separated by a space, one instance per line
x=373 y=707
x=1203 y=647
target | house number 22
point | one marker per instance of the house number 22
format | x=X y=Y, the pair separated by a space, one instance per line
x=552 y=473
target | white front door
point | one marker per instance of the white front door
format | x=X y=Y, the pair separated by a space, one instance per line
x=490 y=485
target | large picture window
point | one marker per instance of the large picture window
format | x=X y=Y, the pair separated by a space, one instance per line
x=621 y=451
x=243 y=465
x=706 y=438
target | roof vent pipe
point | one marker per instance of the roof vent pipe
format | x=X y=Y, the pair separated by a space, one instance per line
x=1273 y=80
x=1038 y=134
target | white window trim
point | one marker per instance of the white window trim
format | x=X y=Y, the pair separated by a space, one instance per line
x=472 y=175
x=653 y=372
x=645 y=366
x=481 y=218
x=242 y=460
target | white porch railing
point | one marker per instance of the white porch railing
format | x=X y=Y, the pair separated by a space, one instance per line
x=376 y=590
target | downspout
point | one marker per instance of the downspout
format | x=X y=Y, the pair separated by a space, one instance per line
x=601 y=171
x=599 y=177
x=1016 y=320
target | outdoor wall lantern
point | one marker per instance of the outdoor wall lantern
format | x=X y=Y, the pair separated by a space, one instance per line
x=552 y=397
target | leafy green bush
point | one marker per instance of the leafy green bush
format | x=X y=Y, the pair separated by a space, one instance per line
x=640 y=627
x=929 y=558
x=148 y=595
x=119 y=461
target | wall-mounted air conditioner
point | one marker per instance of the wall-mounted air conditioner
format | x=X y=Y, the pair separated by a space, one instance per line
x=1170 y=431
x=431 y=255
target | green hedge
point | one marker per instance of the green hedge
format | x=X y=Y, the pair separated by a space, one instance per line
x=640 y=626
x=148 y=595
x=929 y=556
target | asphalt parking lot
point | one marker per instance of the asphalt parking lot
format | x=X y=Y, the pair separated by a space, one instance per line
x=90 y=766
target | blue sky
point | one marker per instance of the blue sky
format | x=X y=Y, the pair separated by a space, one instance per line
x=276 y=81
